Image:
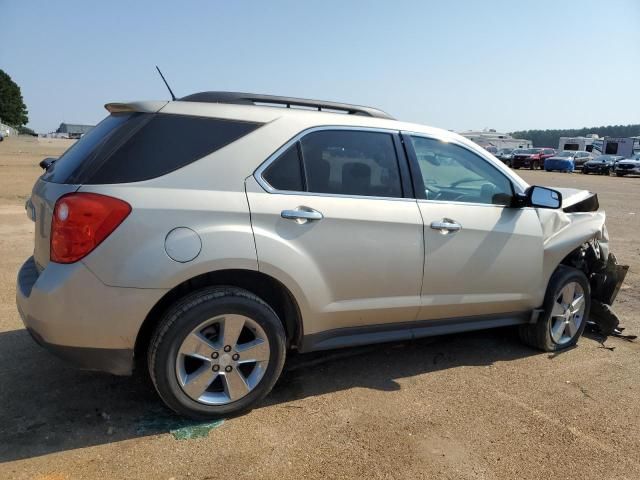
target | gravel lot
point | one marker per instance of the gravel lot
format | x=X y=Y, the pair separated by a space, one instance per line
x=477 y=405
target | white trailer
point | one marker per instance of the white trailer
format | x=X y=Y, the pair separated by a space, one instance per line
x=589 y=144
x=618 y=146
x=491 y=139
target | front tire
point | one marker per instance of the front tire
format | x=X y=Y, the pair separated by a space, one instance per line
x=566 y=310
x=216 y=352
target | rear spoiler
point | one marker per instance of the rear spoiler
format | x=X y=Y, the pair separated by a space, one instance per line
x=145 y=107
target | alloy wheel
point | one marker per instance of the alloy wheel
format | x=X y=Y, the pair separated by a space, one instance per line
x=567 y=314
x=222 y=360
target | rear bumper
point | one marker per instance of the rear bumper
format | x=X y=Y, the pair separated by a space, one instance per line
x=110 y=360
x=71 y=313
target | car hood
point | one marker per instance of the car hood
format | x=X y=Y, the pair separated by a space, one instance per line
x=571 y=197
x=628 y=162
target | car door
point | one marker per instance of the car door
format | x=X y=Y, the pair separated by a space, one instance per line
x=334 y=220
x=483 y=257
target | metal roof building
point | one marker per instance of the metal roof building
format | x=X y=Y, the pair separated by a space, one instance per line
x=74 y=130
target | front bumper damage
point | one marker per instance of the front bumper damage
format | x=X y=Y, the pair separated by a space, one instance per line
x=576 y=236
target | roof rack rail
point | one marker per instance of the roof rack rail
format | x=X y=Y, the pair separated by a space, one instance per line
x=239 y=98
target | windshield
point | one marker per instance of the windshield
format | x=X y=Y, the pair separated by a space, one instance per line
x=565 y=154
x=604 y=158
x=530 y=151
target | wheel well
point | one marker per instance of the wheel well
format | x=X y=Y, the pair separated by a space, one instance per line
x=587 y=257
x=591 y=259
x=267 y=288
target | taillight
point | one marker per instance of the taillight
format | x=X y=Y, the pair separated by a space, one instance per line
x=81 y=221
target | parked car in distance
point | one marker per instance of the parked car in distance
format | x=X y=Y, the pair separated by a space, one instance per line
x=205 y=238
x=532 y=158
x=491 y=149
x=602 y=164
x=505 y=155
x=563 y=162
x=628 y=166
x=580 y=158
x=547 y=152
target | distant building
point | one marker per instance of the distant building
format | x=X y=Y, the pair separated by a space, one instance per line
x=490 y=139
x=73 y=130
x=6 y=130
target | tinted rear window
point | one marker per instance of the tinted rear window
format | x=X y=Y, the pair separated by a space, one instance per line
x=134 y=147
x=350 y=162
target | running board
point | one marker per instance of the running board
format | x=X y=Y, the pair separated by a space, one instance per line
x=394 y=332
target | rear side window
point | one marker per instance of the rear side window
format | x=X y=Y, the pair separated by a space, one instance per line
x=140 y=146
x=348 y=162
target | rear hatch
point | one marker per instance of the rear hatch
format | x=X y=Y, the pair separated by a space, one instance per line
x=127 y=146
x=74 y=168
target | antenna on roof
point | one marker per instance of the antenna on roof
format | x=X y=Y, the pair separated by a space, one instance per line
x=173 y=97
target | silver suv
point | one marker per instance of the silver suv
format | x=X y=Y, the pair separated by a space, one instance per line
x=211 y=235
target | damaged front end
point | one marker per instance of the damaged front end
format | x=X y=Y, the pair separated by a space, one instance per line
x=576 y=236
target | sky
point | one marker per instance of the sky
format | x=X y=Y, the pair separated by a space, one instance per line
x=454 y=64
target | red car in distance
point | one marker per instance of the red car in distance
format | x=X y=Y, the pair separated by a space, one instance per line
x=532 y=158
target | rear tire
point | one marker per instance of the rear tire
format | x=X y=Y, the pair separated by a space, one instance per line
x=198 y=348
x=557 y=328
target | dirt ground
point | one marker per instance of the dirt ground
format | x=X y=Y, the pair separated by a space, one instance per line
x=470 y=406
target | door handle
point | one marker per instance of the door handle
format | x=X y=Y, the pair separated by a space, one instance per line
x=302 y=215
x=446 y=226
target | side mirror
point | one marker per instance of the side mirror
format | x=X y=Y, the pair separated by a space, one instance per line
x=543 y=197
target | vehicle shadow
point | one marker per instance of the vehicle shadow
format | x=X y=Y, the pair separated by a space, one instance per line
x=47 y=407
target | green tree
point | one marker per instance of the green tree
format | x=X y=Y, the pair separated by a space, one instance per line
x=13 y=111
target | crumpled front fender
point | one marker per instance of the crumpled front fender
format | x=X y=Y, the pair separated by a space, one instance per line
x=564 y=232
x=578 y=223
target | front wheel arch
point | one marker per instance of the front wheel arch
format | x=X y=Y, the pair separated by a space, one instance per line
x=539 y=334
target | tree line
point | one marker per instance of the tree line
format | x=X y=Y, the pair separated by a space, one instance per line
x=551 y=138
x=13 y=111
